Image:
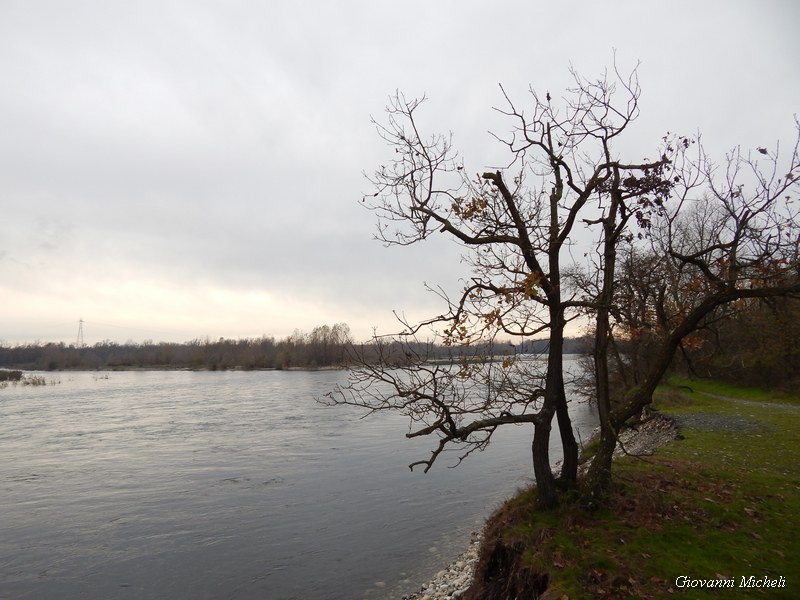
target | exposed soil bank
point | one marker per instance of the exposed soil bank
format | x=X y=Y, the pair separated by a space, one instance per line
x=500 y=563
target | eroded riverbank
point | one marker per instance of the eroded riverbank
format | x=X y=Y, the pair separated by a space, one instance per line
x=453 y=581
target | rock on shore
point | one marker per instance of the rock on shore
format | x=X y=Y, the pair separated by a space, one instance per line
x=452 y=582
x=646 y=437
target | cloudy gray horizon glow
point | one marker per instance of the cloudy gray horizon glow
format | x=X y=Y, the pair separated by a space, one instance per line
x=180 y=170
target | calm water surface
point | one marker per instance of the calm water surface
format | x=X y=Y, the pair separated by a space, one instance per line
x=236 y=485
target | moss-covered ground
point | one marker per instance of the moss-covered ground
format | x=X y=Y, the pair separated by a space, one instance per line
x=721 y=503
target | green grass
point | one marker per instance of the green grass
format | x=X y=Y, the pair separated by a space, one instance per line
x=721 y=388
x=715 y=504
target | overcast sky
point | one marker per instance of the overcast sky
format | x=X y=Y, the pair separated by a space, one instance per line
x=180 y=169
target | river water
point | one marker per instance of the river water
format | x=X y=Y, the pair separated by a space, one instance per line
x=229 y=485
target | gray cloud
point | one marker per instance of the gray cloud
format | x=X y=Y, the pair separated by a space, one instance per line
x=169 y=162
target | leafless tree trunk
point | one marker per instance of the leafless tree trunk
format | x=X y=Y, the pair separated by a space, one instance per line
x=516 y=224
x=720 y=239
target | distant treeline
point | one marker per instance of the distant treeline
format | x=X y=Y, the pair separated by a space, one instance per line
x=326 y=346
x=578 y=345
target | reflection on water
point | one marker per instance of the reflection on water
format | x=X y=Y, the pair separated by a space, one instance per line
x=227 y=485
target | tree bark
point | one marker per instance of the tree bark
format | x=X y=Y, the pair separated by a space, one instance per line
x=569 y=466
x=598 y=477
x=547 y=494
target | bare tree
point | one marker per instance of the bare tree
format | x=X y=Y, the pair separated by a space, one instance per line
x=517 y=225
x=726 y=234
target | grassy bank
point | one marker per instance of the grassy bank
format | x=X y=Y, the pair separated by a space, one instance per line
x=721 y=503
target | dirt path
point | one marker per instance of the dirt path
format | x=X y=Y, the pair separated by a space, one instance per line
x=745 y=420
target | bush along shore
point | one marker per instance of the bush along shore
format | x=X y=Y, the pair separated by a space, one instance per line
x=706 y=495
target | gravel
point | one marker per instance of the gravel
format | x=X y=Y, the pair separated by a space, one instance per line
x=452 y=582
x=715 y=422
x=646 y=437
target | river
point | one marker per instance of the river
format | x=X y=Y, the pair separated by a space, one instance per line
x=229 y=485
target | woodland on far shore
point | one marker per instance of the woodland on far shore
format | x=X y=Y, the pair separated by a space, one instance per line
x=758 y=345
x=324 y=347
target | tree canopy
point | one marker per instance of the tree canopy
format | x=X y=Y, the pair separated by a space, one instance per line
x=567 y=230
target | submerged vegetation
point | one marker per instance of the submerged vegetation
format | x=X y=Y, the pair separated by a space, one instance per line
x=18 y=377
x=6 y=376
